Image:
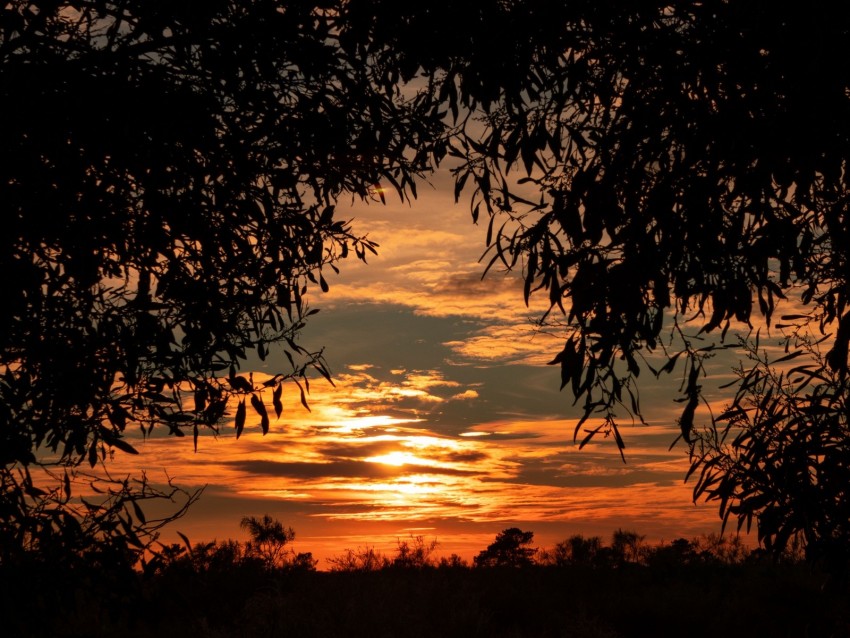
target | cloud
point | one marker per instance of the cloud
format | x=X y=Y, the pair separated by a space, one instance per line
x=338 y=470
x=427 y=354
x=359 y=367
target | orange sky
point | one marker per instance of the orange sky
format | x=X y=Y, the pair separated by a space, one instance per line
x=444 y=421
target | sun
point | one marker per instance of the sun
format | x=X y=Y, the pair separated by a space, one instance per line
x=397 y=459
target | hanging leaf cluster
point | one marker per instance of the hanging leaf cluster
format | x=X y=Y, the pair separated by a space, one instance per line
x=648 y=165
x=777 y=456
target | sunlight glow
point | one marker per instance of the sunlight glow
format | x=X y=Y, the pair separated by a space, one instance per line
x=364 y=460
x=362 y=423
x=397 y=459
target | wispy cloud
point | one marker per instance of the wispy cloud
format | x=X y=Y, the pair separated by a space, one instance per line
x=360 y=457
x=443 y=417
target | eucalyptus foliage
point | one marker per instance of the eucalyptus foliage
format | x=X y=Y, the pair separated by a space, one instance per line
x=168 y=184
x=664 y=172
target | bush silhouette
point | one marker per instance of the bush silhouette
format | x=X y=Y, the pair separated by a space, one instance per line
x=269 y=540
x=512 y=548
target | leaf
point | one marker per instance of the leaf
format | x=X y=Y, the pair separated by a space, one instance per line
x=260 y=408
x=200 y=399
x=304 y=399
x=324 y=372
x=686 y=421
x=185 y=542
x=34 y=491
x=239 y=422
x=117 y=441
x=589 y=436
x=273 y=381
x=130 y=534
x=327 y=216
x=620 y=443
x=460 y=182
x=572 y=365
x=671 y=363
x=788 y=357
x=240 y=384
x=257 y=404
x=276 y=402
x=588 y=410
x=139 y=513
x=633 y=366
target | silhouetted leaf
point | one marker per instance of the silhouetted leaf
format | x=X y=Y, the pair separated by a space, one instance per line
x=276 y=402
x=789 y=357
x=186 y=542
x=304 y=399
x=239 y=421
x=260 y=408
x=139 y=513
x=121 y=444
x=200 y=398
x=240 y=384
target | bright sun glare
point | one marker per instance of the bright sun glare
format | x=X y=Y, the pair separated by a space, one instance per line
x=396 y=458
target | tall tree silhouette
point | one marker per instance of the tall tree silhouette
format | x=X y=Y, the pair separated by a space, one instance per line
x=167 y=188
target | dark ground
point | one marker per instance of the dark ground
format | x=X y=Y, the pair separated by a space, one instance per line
x=702 y=600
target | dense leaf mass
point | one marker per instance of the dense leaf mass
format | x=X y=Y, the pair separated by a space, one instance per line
x=168 y=181
x=778 y=455
x=664 y=171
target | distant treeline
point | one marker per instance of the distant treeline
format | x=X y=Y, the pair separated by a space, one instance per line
x=581 y=587
x=269 y=549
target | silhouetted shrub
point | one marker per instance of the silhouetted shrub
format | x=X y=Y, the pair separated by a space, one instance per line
x=512 y=548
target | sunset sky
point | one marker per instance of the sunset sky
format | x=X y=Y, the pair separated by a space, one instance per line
x=445 y=420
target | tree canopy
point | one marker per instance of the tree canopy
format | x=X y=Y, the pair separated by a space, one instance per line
x=168 y=181
x=661 y=171
x=686 y=160
x=512 y=548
